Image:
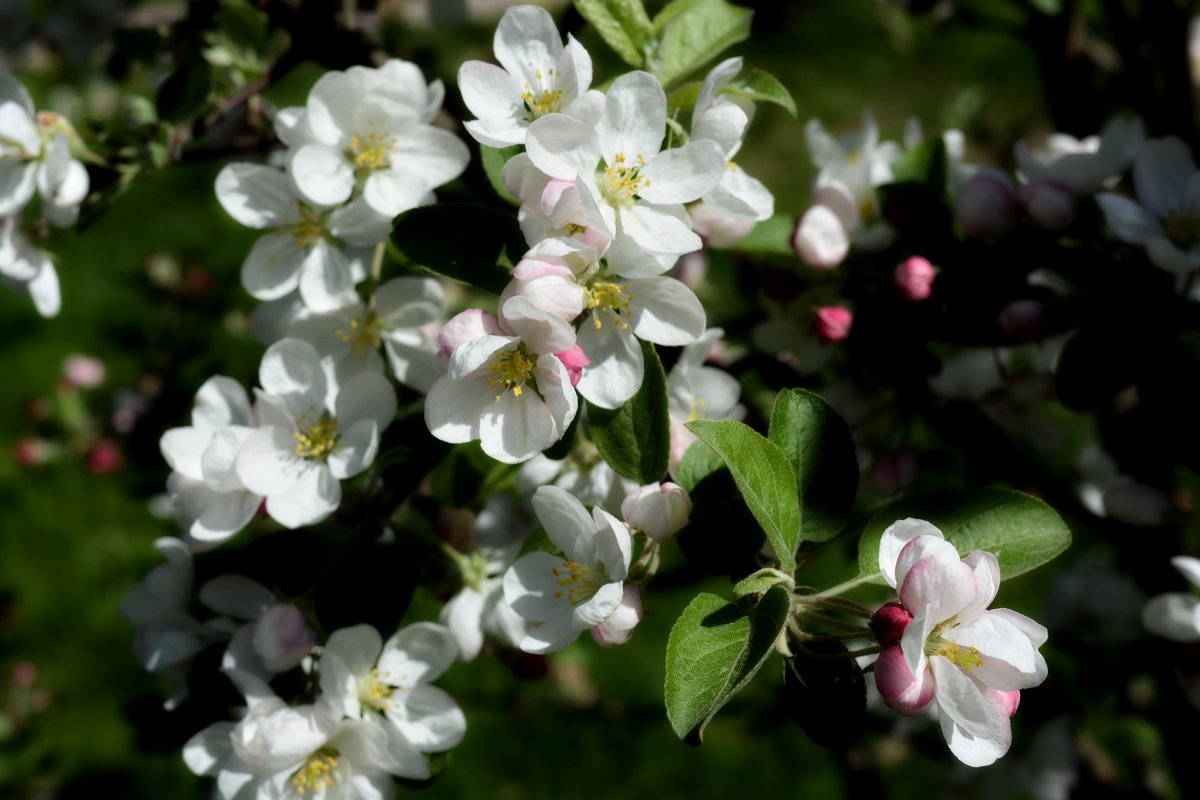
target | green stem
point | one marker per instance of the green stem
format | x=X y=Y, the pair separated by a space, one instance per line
x=842 y=588
x=813 y=616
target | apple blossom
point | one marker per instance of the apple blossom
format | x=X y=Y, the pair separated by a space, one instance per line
x=820 y=238
x=537 y=75
x=210 y=501
x=696 y=391
x=914 y=278
x=1177 y=615
x=303 y=444
x=388 y=685
x=618 y=628
x=565 y=596
x=367 y=130
x=971 y=660
x=833 y=323
x=630 y=188
x=583 y=473
x=276 y=636
x=27 y=269
x=504 y=386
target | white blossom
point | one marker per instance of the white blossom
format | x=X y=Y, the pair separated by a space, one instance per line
x=1176 y=615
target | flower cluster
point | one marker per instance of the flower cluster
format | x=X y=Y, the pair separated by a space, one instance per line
x=942 y=644
x=35 y=160
x=603 y=185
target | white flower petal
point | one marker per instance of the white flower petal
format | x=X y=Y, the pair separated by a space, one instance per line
x=1175 y=616
x=658 y=229
x=1161 y=174
x=355 y=450
x=683 y=174
x=322 y=174
x=820 y=238
x=1129 y=221
x=368 y=396
x=665 y=311
x=513 y=429
x=357 y=647
x=453 y=408
x=976 y=751
x=893 y=540
x=634 y=121
x=531 y=587
x=562 y=146
x=566 y=521
x=313 y=495
x=256 y=195
x=963 y=700
x=432 y=721
x=526 y=42
x=272 y=267
x=463 y=616
x=291 y=371
x=616 y=371
x=236 y=596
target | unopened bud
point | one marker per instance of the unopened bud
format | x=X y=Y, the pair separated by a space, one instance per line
x=1049 y=205
x=897 y=685
x=914 y=278
x=618 y=628
x=833 y=323
x=282 y=637
x=83 y=372
x=987 y=206
x=104 y=458
x=820 y=240
x=889 y=623
x=574 y=360
x=659 y=511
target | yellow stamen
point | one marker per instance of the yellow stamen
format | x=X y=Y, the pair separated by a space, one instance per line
x=375 y=691
x=363 y=336
x=307 y=228
x=614 y=297
x=546 y=98
x=317 y=439
x=371 y=152
x=579 y=581
x=622 y=183
x=510 y=369
x=316 y=773
x=576 y=230
x=965 y=658
x=694 y=412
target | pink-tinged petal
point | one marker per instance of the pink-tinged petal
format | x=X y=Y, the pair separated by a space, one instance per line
x=1012 y=701
x=923 y=546
x=554 y=384
x=541 y=331
x=941 y=588
x=900 y=690
x=987 y=578
x=525 y=181
x=574 y=360
x=1007 y=660
x=618 y=628
x=914 y=638
x=893 y=540
x=979 y=750
x=1161 y=173
x=471 y=324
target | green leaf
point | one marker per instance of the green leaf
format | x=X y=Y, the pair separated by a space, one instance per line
x=698 y=462
x=763 y=476
x=461 y=241
x=691 y=33
x=624 y=24
x=494 y=160
x=714 y=650
x=761 y=581
x=1022 y=531
x=925 y=163
x=818 y=444
x=635 y=438
x=183 y=95
x=685 y=96
x=772 y=235
x=763 y=87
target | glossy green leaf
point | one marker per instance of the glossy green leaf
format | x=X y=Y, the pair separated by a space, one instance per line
x=763 y=475
x=460 y=241
x=763 y=87
x=692 y=33
x=715 y=648
x=623 y=24
x=494 y=160
x=635 y=439
x=818 y=444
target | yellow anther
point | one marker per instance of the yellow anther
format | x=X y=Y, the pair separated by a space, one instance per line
x=316 y=773
x=317 y=439
x=603 y=296
x=622 y=183
x=307 y=228
x=965 y=658
x=363 y=336
x=576 y=230
x=579 y=581
x=510 y=369
x=375 y=691
x=371 y=152
x=694 y=412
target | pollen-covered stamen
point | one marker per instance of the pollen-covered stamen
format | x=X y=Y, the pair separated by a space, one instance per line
x=1183 y=228
x=371 y=152
x=622 y=182
x=363 y=335
x=306 y=227
x=317 y=772
x=601 y=296
x=579 y=582
x=510 y=369
x=965 y=658
x=376 y=690
x=695 y=411
x=576 y=230
x=315 y=439
x=545 y=98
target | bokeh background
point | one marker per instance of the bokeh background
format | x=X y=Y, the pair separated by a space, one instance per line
x=151 y=289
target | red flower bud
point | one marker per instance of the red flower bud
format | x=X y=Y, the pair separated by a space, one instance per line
x=889 y=623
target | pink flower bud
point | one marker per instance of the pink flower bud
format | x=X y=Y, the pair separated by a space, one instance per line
x=1011 y=701
x=659 y=511
x=618 y=628
x=1024 y=320
x=914 y=278
x=282 y=637
x=465 y=327
x=574 y=360
x=833 y=323
x=987 y=206
x=889 y=623
x=719 y=231
x=1049 y=205
x=29 y=452
x=104 y=458
x=83 y=372
x=897 y=686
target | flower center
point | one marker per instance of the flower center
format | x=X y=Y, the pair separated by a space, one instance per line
x=510 y=369
x=1183 y=228
x=316 y=773
x=544 y=98
x=307 y=228
x=603 y=296
x=694 y=412
x=363 y=335
x=375 y=692
x=315 y=440
x=575 y=229
x=579 y=582
x=965 y=658
x=622 y=182
x=371 y=152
